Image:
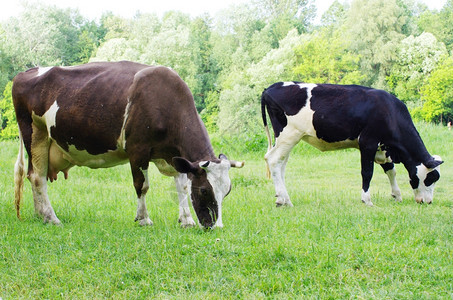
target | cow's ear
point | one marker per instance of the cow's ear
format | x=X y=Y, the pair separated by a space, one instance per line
x=433 y=163
x=222 y=156
x=182 y=165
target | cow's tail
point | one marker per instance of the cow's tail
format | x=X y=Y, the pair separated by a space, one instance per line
x=19 y=174
x=266 y=129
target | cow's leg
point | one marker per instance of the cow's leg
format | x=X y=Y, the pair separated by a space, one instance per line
x=367 y=162
x=37 y=174
x=277 y=158
x=141 y=185
x=389 y=169
x=183 y=188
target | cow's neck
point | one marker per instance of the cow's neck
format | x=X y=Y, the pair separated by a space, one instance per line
x=195 y=142
x=414 y=149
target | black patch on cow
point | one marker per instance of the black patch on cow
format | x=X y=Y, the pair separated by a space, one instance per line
x=282 y=101
x=289 y=98
x=340 y=112
x=414 y=181
x=431 y=178
x=387 y=166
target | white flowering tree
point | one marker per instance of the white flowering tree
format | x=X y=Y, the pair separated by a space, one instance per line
x=417 y=58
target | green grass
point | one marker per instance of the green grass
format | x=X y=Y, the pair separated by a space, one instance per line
x=329 y=245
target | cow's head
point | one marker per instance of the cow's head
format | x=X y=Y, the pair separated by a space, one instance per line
x=424 y=179
x=210 y=184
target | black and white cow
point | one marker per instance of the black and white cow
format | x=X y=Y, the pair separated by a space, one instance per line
x=331 y=117
x=103 y=114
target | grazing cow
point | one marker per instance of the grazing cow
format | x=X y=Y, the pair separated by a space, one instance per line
x=104 y=114
x=331 y=117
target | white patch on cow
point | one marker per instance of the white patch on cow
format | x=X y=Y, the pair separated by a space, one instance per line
x=122 y=138
x=183 y=186
x=308 y=86
x=43 y=70
x=142 y=212
x=396 y=192
x=300 y=126
x=41 y=200
x=366 y=198
x=105 y=160
x=423 y=193
x=288 y=83
x=164 y=168
x=381 y=156
x=217 y=174
x=50 y=116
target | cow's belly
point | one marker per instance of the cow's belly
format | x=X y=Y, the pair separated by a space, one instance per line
x=326 y=146
x=301 y=125
x=60 y=159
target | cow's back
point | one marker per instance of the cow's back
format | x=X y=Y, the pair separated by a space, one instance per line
x=89 y=102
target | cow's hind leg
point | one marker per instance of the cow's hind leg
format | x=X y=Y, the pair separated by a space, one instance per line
x=389 y=169
x=183 y=188
x=37 y=174
x=367 y=155
x=277 y=158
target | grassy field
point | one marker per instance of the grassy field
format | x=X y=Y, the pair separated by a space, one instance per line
x=329 y=245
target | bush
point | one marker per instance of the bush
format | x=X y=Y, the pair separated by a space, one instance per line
x=9 y=129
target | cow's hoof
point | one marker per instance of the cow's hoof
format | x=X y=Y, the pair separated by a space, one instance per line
x=52 y=220
x=144 y=222
x=283 y=202
x=397 y=198
x=187 y=222
x=368 y=203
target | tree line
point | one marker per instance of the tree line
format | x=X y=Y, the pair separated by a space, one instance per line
x=228 y=59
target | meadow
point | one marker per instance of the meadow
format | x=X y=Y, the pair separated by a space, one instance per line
x=329 y=245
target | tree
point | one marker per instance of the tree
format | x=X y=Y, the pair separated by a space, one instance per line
x=437 y=94
x=375 y=29
x=335 y=15
x=284 y=15
x=417 y=58
x=239 y=109
x=327 y=60
x=439 y=24
x=9 y=128
x=6 y=66
x=47 y=35
x=206 y=69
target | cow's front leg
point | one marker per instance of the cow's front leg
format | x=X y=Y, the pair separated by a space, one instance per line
x=141 y=184
x=389 y=169
x=367 y=162
x=276 y=159
x=183 y=185
x=37 y=174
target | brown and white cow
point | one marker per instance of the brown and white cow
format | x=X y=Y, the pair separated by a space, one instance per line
x=104 y=114
x=331 y=117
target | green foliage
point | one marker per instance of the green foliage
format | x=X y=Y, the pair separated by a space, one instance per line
x=47 y=35
x=227 y=60
x=239 y=101
x=210 y=113
x=439 y=24
x=9 y=128
x=417 y=58
x=375 y=29
x=325 y=59
x=437 y=94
